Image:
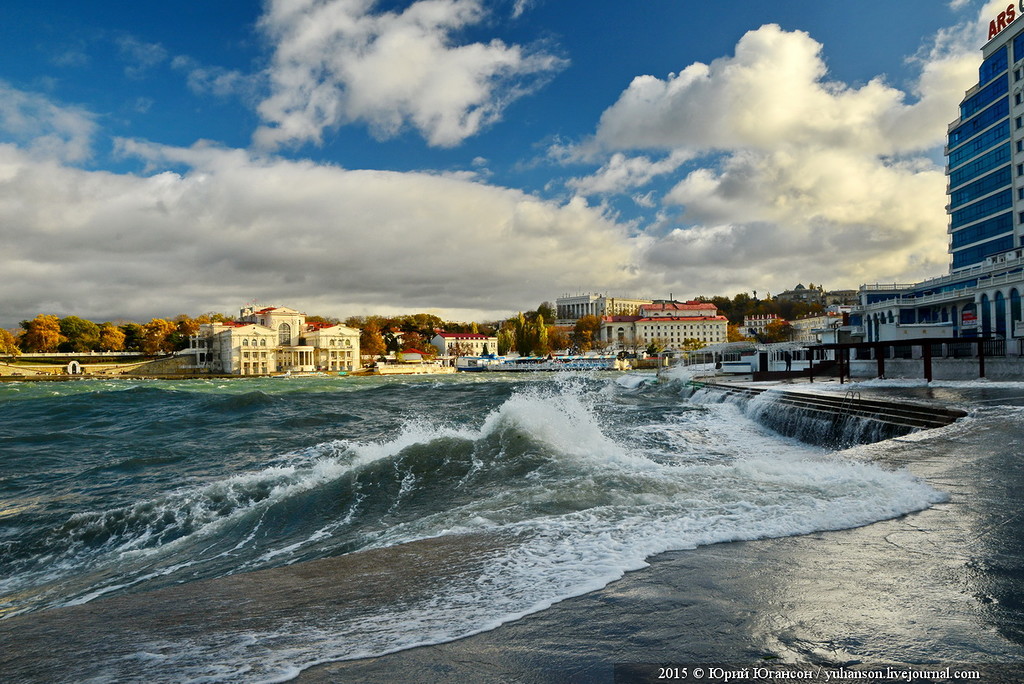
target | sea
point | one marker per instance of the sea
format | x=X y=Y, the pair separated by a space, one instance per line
x=459 y=503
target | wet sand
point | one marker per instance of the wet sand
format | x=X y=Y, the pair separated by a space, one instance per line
x=943 y=586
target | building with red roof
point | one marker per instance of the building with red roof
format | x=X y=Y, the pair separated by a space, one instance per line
x=666 y=324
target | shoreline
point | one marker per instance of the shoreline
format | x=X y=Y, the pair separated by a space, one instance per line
x=942 y=585
x=938 y=586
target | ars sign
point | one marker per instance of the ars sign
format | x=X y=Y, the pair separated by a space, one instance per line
x=1004 y=19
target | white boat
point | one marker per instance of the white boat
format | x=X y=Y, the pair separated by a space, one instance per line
x=559 y=363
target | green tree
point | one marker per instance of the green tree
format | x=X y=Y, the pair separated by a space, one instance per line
x=80 y=335
x=41 y=334
x=133 y=334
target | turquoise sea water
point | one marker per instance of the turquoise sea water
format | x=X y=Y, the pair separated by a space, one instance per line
x=119 y=488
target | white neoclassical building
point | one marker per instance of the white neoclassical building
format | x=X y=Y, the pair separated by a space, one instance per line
x=570 y=308
x=274 y=340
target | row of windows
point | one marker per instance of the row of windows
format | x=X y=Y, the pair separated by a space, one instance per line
x=979 y=144
x=983 y=230
x=993 y=66
x=983 y=164
x=262 y=342
x=1000 y=110
x=1018 y=48
x=987 y=95
x=974 y=255
x=982 y=208
x=980 y=188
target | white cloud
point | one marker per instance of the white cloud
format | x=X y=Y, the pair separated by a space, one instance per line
x=621 y=173
x=141 y=56
x=216 y=80
x=793 y=176
x=329 y=240
x=45 y=128
x=337 y=62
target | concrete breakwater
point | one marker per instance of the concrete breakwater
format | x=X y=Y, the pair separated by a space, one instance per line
x=828 y=419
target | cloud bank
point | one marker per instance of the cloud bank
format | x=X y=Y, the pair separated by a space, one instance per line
x=795 y=176
x=236 y=228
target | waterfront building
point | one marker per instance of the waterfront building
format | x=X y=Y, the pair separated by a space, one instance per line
x=980 y=296
x=274 y=340
x=570 y=308
x=466 y=344
x=669 y=324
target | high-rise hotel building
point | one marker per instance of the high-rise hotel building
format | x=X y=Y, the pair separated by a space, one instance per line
x=985 y=152
x=981 y=294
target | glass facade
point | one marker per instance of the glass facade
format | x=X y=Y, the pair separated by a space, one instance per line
x=994 y=65
x=982 y=208
x=987 y=95
x=999 y=110
x=980 y=164
x=979 y=188
x=979 y=144
x=983 y=164
x=982 y=230
x=975 y=255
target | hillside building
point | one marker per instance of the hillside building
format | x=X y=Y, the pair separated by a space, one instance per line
x=569 y=309
x=668 y=324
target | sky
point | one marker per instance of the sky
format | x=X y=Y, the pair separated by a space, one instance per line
x=469 y=158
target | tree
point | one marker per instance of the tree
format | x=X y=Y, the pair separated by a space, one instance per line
x=558 y=338
x=111 y=338
x=371 y=342
x=185 y=328
x=155 y=336
x=547 y=310
x=80 y=335
x=133 y=334
x=734 y=334
x=586 y=334
x=778 y=331
x=8 y=344
x=413 y=340
x=41 y=334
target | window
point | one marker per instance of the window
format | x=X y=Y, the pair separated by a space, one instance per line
x=1020 y=193
x=1017 y=75
x=1020 y=169
x=1020 y=145
x=1017 y=98
x=245 y=343
x=284 y=334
